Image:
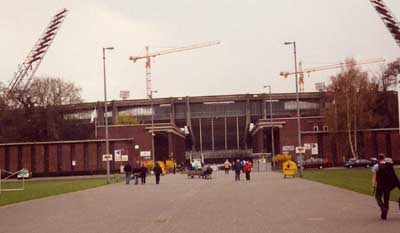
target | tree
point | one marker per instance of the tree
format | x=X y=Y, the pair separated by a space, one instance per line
x=353 y=97
x=48 y=92
x=125 y=119
x=390 y=74
x=35 y=113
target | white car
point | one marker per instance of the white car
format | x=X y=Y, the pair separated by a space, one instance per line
x=24 y=173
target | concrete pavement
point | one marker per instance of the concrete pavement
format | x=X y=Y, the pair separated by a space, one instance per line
x=267 y=203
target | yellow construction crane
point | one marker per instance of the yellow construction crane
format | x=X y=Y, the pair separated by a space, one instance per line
x=301 y=72
x=149 y=55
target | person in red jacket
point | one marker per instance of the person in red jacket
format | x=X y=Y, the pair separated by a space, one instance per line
x=247 y=169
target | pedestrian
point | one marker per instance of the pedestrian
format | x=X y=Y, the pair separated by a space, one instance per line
x=128 y=172
x=143 y=173
x=136 y=174
x=237 y=168
x=247 y=169
x=157 y=172
x=227 y=166
x=384 y=180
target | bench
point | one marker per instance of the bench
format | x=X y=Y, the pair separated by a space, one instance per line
x=199 y=173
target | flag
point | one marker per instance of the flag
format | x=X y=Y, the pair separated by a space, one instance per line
x=93 y=115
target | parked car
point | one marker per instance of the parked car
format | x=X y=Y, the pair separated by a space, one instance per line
x=314 y=163
x=358 y=163
x=24 y=173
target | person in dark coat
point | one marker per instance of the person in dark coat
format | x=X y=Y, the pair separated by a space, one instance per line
x=128 y=172
x=136 y=174
x=143 y=173
x=384 y=181
x=237 y=167
x=157 y=172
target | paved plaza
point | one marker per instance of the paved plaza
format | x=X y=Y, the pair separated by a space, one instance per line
x=267 y=203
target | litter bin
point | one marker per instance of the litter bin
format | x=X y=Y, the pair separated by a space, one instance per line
x=289 y=169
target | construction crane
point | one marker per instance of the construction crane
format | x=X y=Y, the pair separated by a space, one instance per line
x=301 y=72
x=31 y=63
x=388 y=19
x=148 y=56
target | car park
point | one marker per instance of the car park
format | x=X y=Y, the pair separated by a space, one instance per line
x=358 y=163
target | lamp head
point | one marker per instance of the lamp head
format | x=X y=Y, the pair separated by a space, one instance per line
x=109 y=48
x=288 y=43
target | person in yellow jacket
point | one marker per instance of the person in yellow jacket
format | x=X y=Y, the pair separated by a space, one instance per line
x=227 y=166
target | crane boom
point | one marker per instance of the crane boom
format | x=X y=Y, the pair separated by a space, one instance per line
x=328 y=67
x=175 y=50
x=149 y=55
x=301 y=72
x=31 y=63
x=388 y=19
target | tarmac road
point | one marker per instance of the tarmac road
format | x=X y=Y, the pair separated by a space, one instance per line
x=267 y=203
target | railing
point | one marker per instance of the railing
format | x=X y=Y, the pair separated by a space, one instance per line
x=10 y=174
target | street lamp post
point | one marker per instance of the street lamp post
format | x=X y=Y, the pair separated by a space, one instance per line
x=297 y=104
x=106 y=111
x=271 y=121
x=152 y=128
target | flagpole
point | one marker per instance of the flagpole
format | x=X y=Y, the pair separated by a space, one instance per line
x=95 y=127
x=95 y=122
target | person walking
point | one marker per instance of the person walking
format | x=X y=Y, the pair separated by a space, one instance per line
x=384 y=180
x=143 y=173
x=128 y=172
x=247 y=169
x=227 y=166
x=136 y=174
x=237 y=167
x=157 y=172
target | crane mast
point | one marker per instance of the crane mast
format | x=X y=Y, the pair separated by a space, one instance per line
x=31 y=63
x=391 y=23
x=148 y=56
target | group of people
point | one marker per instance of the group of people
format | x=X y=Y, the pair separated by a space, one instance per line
x=238 y=167
x=141 y=172
x=384 y=180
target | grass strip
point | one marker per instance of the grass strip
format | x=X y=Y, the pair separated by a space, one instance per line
x=357 y=180
x=45 y=188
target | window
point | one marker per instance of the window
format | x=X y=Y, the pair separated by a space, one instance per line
x=315 y=128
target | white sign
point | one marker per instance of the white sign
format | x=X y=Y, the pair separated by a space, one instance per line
x=145 y=153
x=117 y=157
x=107 y=157
x=300 y=150
x=314 y=148
x=307 y=146
x=124 y=158
x=287 y=148
x=73 y=163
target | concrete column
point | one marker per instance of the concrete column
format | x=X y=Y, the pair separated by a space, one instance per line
x=172 y=112
x=171 y=145
x=246 y=128
x=189 y=123
x=114 y=108
x=260 y=141
x=212 y=133
x=226 y=136
x=100 y=113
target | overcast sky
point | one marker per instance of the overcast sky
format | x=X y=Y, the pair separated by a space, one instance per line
x=251 y=53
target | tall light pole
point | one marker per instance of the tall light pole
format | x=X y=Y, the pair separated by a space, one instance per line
x=106 y=111
x=152 y=127
x=271 y=121
x=297 y=104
